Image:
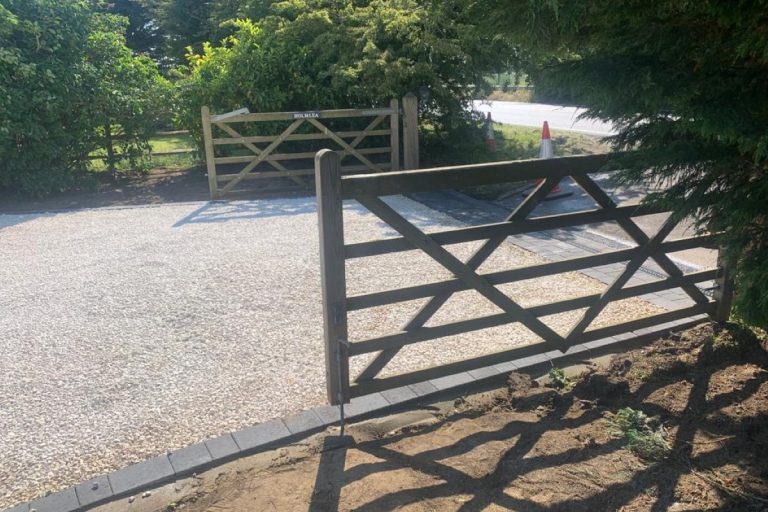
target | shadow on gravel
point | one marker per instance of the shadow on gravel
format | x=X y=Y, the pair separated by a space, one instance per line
x=159 y=187
x=541 y=468
x=223 y=211
x=9 y=220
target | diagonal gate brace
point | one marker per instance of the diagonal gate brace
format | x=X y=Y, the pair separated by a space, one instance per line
x=424 y=242
x=477 y=259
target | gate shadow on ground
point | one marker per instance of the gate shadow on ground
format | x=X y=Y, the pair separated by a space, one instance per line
x=522 y=459
x=215 y=212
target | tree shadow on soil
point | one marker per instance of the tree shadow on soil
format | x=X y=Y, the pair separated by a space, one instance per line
x=660 y=481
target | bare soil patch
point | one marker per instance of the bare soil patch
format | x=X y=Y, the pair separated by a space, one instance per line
x=530 y=448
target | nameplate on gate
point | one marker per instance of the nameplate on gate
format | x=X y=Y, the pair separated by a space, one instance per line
x=306 y=115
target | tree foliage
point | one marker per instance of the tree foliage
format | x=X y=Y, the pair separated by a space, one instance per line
x=129 y=97
x=144 y=34
x=188 y=24
x=316 y=54
x=65 y=73
x=686 y=83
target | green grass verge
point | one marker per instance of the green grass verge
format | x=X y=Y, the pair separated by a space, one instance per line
x=159 y=144
x=519 y=95
x=171 y=142
x=522 y=143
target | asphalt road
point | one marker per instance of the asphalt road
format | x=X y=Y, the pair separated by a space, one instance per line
x=534 y=114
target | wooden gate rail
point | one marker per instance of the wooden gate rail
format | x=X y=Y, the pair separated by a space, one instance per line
x=263 y=148
x=333 y=188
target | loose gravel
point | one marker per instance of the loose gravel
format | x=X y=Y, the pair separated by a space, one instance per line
x=127 y=332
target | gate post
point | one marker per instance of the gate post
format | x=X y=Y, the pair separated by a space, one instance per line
x=334 y=289
x=411 y=131
x=394 y=138
x=213 y=183
x=723 y=293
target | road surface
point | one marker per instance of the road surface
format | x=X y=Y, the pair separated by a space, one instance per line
x=534 y=114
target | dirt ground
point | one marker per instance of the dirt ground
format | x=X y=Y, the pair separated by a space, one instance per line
x=531 y=447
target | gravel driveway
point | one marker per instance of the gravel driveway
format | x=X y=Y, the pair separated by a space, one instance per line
x=126 y=332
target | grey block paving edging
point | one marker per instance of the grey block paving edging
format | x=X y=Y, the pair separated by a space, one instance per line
x=273 y=433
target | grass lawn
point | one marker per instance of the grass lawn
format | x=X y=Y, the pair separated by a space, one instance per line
x=522 y=95
x=523 y=142
x=159 y=144
x=164 y=143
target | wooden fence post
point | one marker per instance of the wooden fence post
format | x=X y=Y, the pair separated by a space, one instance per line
x=394 y=138
x=213 y=184
x=411 y=131
x=110 y=146
x=723 y=293
x=332 y=269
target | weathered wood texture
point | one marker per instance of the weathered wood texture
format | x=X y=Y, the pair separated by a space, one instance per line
x=411 y=131
x=441 y=178
x=331 y=228
x=723 y=293
x=213 y=185
x=262 y=149
x=367 y=189
x=394 y=142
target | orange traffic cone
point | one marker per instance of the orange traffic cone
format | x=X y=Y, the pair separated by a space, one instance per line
x=490 y=137
x=546 y=151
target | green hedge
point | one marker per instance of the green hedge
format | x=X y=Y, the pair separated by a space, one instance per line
x=66 y=78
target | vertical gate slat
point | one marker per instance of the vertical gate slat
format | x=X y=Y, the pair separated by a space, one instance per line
x=723 y=293
x=411 y=131
x=213 y=184
x=331 y=229
x=394 y=137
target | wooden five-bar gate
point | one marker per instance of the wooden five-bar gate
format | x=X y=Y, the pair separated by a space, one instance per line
x=262 y=159
x=333 y=188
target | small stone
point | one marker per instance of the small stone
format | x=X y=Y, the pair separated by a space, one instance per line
x=95 y=486
x=131 y=499
x=147 y=494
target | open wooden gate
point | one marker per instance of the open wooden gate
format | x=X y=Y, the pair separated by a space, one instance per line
x=333 y=188
x=262 y=159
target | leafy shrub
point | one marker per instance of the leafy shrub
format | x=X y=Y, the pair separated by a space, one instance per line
x=130 y=97
x=321 y=54
x=44 y=132
x=65 y=74
x=558 y=379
